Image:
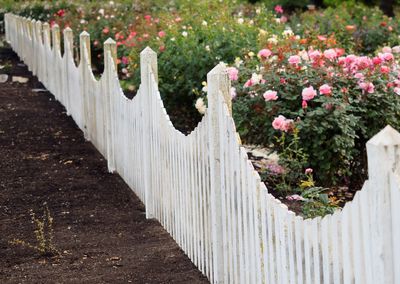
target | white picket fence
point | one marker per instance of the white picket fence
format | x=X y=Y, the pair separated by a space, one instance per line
x=202 y=187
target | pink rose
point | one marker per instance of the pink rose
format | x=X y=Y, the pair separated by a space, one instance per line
x=397 y=90
x=283 y=19
x=367 y=87
x=161 y=34
x=278 y=122
x=376 y=60
x=270 y=95
x=294 y=59
x=330 y=54
x=304 y=104
x=278 y=9
x=233 y=73
x=325 y=89
x=385 y=69
x=308 y=93
x=314 y=55
x=264 y=53
x=248 y=83
x=125 y=60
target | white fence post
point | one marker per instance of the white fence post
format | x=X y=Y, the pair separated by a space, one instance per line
x=110 y=69
x=148 y=66
x=218 y=88
x=46 y=64
x=55 y=53
x=85 y=61
x=7 y=26
x=383 y=159
x=39 y=50
x=68 y=56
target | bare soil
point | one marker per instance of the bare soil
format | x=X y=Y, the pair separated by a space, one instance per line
x=99 y=226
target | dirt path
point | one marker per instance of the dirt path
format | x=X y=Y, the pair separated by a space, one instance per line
x=99 y=224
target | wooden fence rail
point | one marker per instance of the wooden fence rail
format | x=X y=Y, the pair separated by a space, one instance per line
x=202 y=187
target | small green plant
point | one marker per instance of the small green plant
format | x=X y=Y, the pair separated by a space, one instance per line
x=292 y=158
x=43 y=234
x=316 y=202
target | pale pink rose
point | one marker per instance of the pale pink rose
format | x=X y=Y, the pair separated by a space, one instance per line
x=264 y=53
x=233 y=92
x=308 y=93
x=325 y=89
x=287 y=125
x=367 y=87
x=386 y=49
x=279 y=122
x=270 y=95
x=359 y=76
x=330 y=54
x=396 y=49
x=283 y=19
x=397 y=90
x=363 y=62
x=350 y=59
x=387 y=56
x=294 y=59
x=308 y=171
x=233 y=73
x=295 y=197
x=314 y=55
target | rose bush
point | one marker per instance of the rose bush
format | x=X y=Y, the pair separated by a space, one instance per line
x=335 y=101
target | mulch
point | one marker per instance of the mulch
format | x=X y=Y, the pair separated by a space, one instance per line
x=99 y=224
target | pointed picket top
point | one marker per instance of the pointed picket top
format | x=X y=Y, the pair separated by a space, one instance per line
x=148 y=57
x=386 y=137
x=84 y=34
x=109 y=41
x=218 y=83
x=219 y=69
x=148 y=51
x=68 y=39
x=111 y=46
x=84 y=43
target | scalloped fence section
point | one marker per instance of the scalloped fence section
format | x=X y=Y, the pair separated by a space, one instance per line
x=203 y=189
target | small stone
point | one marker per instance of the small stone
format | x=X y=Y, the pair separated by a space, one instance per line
x=20 y=79
x=39 y=90
x=3 y=78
